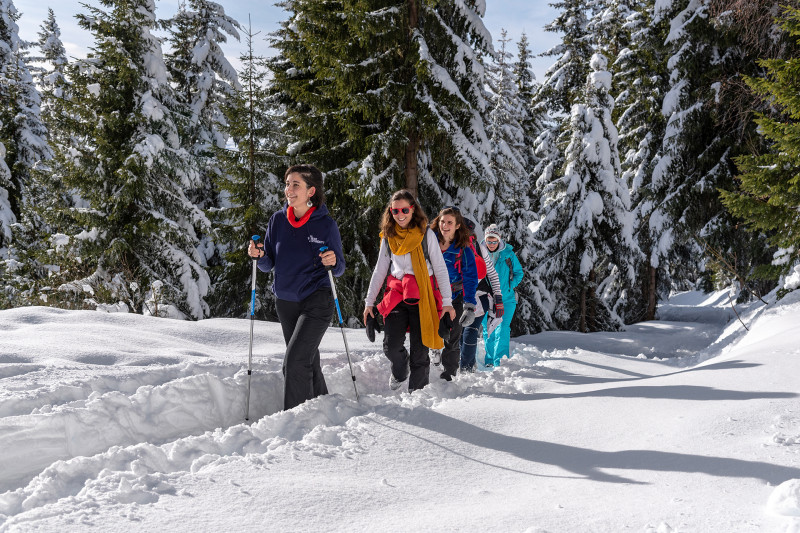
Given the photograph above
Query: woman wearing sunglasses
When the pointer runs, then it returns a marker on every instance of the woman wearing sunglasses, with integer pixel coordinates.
(509, 271)
(301, 285)
(453, 236)
(409, 261)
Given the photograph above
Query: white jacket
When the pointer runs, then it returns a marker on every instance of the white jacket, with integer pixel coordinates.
(400, 265)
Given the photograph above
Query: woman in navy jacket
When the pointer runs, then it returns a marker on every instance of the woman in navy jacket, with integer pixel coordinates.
(303, 297)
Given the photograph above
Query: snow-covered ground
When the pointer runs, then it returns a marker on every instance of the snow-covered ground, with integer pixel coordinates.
(119, 422)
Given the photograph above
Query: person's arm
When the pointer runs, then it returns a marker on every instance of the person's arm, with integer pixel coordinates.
(378, 274)
(491, 272)
(439, 269)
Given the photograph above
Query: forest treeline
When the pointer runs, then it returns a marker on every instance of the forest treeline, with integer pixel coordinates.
(660, 151)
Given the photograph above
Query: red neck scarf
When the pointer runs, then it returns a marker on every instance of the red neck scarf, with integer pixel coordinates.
(293, 219)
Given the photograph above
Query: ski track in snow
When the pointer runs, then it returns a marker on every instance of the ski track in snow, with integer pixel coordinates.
(128, 434)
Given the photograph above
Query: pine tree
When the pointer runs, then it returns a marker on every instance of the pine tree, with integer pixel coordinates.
(532, 119)
(508, 203)
(137, 247)
(701, 140)
(203, 80)
(383, 95)
(642, 82)
(588, 254)
(251, 189)
(769, 183)
(24, 137)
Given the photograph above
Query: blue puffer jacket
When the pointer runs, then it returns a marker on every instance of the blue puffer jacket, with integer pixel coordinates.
(294, 254)
(510, 276)
(466, 272)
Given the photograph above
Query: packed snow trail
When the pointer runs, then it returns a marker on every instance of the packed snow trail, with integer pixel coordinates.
(122, 440)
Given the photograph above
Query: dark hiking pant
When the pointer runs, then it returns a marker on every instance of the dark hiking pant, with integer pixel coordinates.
(303, 324)
(451, 354)
(469, 339)
(404, 318)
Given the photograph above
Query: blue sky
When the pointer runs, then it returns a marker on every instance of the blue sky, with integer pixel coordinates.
(515, 16)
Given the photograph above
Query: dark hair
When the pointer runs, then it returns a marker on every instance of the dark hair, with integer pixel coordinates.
(461, 237)
(313, 178)
(418, 218)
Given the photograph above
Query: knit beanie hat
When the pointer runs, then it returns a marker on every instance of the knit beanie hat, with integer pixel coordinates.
(492, 231)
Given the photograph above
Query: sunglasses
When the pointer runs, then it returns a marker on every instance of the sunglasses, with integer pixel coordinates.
(452, 208)
(404, 210)
(492, 242)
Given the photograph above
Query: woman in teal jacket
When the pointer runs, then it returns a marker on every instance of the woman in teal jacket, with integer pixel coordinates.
(509, 270)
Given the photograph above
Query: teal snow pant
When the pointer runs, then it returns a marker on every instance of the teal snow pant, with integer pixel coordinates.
(498, 343)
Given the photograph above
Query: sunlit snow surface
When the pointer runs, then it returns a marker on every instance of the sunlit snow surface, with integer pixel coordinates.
(118, 422)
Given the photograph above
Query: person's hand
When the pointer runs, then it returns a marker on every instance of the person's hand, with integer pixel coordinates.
(467, 315)
(498, 306)
(367, 312)
(450, 310)
(255, 250)
(328, 258)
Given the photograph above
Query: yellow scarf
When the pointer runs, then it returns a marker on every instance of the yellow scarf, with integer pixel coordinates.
(409, 240)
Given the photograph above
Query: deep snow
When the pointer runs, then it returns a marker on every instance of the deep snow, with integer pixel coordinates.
(119, 422)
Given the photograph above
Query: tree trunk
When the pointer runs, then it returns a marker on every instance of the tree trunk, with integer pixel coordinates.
(591, 321)
(650, 314)
(412, 172)
(412, 146)
(582, 322)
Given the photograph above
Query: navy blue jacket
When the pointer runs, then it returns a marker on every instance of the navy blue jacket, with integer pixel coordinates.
(294, 254)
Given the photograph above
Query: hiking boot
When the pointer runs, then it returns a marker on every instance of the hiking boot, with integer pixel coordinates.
(436, 357)
(488, 364)
(394, 384)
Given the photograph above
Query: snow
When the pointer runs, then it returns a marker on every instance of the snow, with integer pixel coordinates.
(687, 423)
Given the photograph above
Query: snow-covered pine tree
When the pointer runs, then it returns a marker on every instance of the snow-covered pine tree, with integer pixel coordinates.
(24, 137)
(589, 255)
(249, 187)
(564, 81)
(52, 78)
(769, 182)
(532, 118)
(563, 84)
(138, 247)
(382, 95)
(696, 159)
(508, 203)
(203, 80)
(641, 82)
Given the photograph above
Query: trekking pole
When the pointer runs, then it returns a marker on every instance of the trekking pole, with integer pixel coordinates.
(341, 323)
(252, 321)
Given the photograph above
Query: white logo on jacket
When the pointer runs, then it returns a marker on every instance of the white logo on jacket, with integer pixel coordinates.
(313, 239)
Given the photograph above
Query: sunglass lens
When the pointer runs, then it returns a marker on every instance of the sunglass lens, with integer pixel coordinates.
(405, 210)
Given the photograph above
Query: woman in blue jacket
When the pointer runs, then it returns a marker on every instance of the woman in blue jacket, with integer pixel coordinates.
(303, 297)
(453, 236)
(509, 270)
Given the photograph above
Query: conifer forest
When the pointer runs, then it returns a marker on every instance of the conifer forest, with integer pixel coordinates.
(659, 152)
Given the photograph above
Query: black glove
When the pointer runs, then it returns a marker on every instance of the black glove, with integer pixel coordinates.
(372, 326)
(445, 325)
(498, 306)
(467, 315)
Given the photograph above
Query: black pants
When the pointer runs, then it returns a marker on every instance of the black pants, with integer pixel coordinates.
(451, 355)
(404, 318)
(303, 324)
